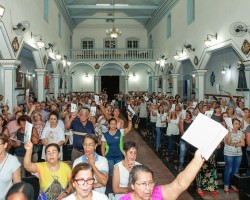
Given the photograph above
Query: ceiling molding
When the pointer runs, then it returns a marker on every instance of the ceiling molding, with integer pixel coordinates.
(108, 17)
(62, 7)
(166, 7)
(111, 7)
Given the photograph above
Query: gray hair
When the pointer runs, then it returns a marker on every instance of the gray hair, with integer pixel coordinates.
(85, 110)
(134, 173)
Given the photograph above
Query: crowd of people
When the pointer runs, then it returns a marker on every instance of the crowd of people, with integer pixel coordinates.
(96, 128)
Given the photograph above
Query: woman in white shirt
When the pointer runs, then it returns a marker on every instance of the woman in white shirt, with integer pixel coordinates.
(173, 132)
(120, 179)
(160, 125)
(82, 181)
(52, 133)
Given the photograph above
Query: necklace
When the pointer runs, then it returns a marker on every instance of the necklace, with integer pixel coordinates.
(4, 162)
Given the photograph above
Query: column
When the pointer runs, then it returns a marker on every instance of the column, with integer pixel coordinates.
(56, 77)
(67, 88)
(64, 78)
(9, 82)
(41, 72)
(201, 86)
(97, 79)
(126, 84)
(156, 80)
(164, 84)
(175, 84)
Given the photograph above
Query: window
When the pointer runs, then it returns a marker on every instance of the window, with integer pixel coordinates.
(59, 25)
(110, 43)
(132, 44)
(46, 10)
(190, 11)
(88, 44)
(169, 26)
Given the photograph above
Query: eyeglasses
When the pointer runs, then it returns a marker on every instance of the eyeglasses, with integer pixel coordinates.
(83, 181)
(145, 184)
(89, 145)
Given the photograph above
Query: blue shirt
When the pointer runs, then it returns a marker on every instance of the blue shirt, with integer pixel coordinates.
(79, 130)
(114, 145)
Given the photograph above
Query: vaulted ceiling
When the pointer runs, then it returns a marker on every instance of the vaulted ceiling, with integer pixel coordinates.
(139, 10)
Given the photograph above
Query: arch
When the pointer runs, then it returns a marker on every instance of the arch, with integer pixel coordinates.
(5, 47)
(206, 55)
(72, 66)
(112, 62)
(148, 64)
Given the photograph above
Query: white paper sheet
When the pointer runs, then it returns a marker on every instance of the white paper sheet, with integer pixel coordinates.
(27, 92)
(209, 113)
(239, 112)
(27, 132)
(228, 121)
(194, 104)
(146, 98)
(112, 102)
(92, 111)
(183, 114)
(205, 134)
(173, 107)
(73, 108)
(131, 112)
(96, 99)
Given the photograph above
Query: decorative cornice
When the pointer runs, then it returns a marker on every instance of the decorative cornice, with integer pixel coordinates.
(166, 6)
(62, 7)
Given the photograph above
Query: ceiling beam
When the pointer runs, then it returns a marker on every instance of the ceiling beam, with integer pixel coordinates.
(110, 17)
(129, 7)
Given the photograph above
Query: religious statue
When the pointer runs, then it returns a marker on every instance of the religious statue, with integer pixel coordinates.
(170, 82)
(47, 81)
(242, 83)
(19, 76)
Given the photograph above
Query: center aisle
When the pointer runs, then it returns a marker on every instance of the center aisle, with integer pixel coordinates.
(147, 157)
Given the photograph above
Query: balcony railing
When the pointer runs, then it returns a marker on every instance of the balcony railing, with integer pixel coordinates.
(111, 54)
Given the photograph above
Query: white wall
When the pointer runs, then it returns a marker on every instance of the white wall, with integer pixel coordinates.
(32, 11)
(210, 17)
(97, 29)
(139, 82)
(82, 83)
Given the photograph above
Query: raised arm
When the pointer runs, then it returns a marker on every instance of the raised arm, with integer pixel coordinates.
(68, 123)
(184, 179)
(28, 165)
(126, 130)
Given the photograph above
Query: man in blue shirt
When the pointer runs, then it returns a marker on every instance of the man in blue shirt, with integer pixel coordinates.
(80, 127)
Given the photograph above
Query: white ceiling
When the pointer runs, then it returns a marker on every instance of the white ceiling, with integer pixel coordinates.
(140, 10)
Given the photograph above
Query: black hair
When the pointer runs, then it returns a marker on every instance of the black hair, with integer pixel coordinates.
(112, 119)
(92, 137)
(128, 145)
(53, 145)
(25, 188)
(54, 113)
(24, 118)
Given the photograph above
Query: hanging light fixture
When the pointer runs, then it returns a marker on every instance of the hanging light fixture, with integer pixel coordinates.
(113, 32)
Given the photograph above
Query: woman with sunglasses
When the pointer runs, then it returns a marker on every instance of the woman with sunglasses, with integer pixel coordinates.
(82, 180)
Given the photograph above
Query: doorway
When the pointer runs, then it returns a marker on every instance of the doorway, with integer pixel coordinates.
(111, 85)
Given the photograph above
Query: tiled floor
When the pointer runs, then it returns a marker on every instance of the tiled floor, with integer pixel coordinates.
(163, 175)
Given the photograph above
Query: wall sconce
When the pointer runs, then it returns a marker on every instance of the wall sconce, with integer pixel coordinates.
(224, 68)
(189, 47)
(58, 56)
(193, 75)
(2, 9)
(178, 54)
(162, 61)
(50, 46)
(87, 75)
(210, 39)
(134, 74)
(39, 43)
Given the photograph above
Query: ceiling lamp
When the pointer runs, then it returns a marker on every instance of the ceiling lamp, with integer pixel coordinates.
(2, 9)
(39, 43)
(113, 32)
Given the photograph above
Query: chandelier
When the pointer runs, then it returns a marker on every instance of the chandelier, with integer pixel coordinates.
(113, 32)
